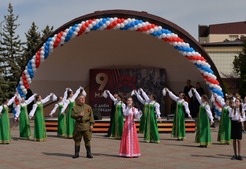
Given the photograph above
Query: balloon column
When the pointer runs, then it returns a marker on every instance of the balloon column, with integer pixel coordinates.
(120, 24)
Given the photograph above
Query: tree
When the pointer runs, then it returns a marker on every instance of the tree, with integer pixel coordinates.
(240, 68)
(33, 39)
(46, 32)
(11, 52)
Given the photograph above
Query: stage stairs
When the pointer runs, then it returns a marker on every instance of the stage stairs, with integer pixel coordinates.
(101, 126)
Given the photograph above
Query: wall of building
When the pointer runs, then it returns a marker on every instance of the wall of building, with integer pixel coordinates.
(221, 37)
(223, 58)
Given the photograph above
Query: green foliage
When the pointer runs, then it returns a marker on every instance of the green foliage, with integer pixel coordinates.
(46, 32)
(240, 68)
(11, 54)
(15, 54)
(33, 40)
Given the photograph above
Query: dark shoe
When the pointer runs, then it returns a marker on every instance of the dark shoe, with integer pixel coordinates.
(77, 149)
(88, 152)
(239, 157)
(234, 157)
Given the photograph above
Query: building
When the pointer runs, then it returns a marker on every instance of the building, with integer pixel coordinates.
(223, 42)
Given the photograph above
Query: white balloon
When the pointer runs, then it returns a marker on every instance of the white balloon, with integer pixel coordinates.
(117, 26)
(93, 23)
(107, 23)
(87, 30)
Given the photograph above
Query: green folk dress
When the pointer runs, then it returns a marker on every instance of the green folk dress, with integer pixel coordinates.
(24, 127)
(69, 120)
(61, 122)
(224, 133)
(5, 136)
(178, 129)
(39, 124)
(143, 119)
(151, 133)
(118, 122)
(203, 134)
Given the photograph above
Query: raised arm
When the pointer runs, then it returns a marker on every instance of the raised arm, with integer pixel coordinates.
(65, 96)
(111, 96)
(28, 101)
(174, 97)
(65, 106)
(46, 99)
(76, 94)
(145, 96)
(54, 109)
(140, 98)
(34, 107)
(198, 97)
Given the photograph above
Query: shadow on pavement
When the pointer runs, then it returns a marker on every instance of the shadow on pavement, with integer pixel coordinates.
(57, 154)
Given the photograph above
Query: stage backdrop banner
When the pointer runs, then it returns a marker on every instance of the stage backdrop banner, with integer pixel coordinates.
(123, 81)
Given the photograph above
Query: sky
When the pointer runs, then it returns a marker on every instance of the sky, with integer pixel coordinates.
(187, 14)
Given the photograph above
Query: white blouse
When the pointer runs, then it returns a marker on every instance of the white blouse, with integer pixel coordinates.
(157, 108)
(116, 102)
(72, 99)
(178, 100)
(11, 101)
(145, 96)
(129, 110)
(139, 97)
(43, 101)
(236, 116)
(25, 103)
(205, 105)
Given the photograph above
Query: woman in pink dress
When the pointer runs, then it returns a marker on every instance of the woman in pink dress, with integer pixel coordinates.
(129, 146)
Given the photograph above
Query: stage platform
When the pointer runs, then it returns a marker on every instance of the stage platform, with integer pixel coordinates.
(101, 126)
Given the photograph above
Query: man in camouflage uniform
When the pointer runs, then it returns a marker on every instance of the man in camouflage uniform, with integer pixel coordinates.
(84, 121)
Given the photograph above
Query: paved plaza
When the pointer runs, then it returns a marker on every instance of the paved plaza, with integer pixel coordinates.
(169, 154)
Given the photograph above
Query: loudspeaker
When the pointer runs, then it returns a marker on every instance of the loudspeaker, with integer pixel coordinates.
(97, 114)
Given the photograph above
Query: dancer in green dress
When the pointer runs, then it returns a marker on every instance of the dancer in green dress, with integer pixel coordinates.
(39, 120)
(224, 132)
(145, 110)
(61, 131)
(151, 133)
(67, 109)
(117, 123)
(5, 137)
(22, 116)
(178, 129)
(203, 134)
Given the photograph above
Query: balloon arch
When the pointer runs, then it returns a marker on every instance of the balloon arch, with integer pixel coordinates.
(124, 24)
